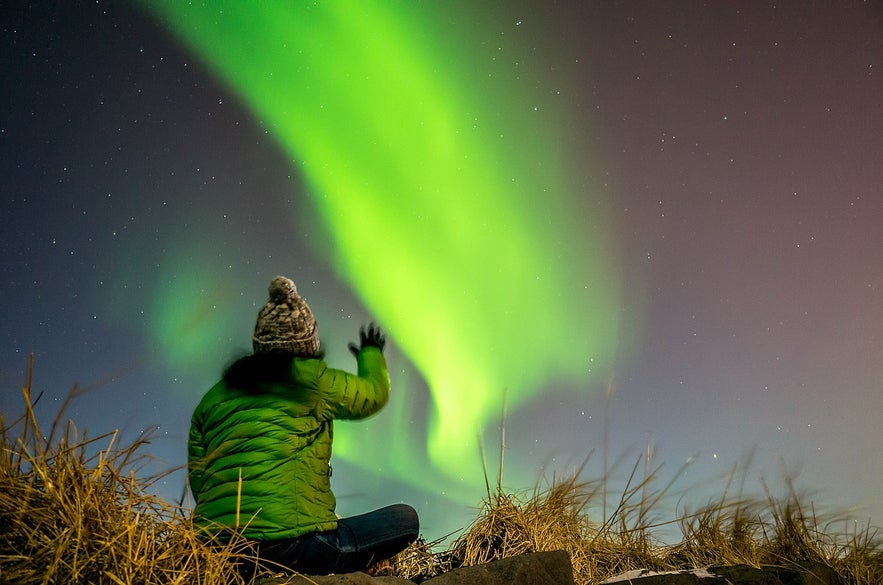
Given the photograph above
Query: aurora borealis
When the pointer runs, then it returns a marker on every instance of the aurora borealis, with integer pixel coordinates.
(676, 202)
(441, 218)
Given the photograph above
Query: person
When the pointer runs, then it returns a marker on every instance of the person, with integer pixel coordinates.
(260, 443)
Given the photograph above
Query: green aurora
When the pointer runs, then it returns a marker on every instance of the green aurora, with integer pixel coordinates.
(456, 211)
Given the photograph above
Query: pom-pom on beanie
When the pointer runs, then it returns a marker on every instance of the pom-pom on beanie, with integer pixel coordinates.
(286, 322)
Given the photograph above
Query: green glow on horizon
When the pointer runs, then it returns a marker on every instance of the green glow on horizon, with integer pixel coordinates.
(449, 200)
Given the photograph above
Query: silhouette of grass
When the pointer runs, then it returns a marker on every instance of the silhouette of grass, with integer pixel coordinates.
(73, 509)
(727, 531)
(740, 532)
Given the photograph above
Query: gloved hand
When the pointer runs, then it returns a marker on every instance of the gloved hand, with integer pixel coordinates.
(371, 336)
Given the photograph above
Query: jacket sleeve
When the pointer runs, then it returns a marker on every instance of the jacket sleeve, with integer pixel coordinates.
(195, 459)
(348, 396)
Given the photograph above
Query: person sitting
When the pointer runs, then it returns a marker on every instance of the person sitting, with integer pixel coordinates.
(260, 441)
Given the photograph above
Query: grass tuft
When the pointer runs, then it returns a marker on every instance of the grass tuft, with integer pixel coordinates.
(727, 531)
(73, 509)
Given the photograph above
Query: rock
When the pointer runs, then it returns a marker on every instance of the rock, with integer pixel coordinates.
(819, 574)
(554, 568)
(647, 577)
(541, 568)
(809, 574)
(345, 579)
(815, 574)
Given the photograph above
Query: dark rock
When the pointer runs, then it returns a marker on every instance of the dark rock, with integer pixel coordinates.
(815, 574)
(345, 579)
(819, 574)
(554, 568)
(809, 574)
(748, 575)
(542, 568)
(646, 577)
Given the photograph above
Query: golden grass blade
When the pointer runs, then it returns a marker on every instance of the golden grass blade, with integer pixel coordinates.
(74, 510)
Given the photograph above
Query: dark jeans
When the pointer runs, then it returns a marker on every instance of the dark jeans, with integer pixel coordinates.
(357, 543)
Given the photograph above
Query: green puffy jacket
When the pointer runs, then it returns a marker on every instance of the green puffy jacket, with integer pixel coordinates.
(259, 460)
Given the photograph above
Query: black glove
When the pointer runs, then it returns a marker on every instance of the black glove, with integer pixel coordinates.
(371, 336)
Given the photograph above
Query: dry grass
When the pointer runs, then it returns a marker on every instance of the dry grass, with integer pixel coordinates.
(775, 532)
(727, 531)
(73, 510)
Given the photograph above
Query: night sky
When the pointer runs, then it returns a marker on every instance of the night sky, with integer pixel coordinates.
(718, 191)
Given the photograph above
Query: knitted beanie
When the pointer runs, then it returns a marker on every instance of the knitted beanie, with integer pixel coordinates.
(286, 322)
